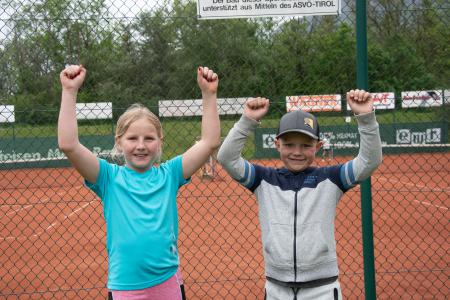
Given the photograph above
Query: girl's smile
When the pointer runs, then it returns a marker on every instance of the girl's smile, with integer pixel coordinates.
(140, 145)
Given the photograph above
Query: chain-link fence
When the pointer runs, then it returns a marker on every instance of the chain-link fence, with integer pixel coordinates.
(52, 232)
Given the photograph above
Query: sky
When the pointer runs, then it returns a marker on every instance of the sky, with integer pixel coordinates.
(5, 13)
(118, 8)
(130, 8)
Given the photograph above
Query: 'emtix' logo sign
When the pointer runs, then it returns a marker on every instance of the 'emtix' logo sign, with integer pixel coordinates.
(429, 136)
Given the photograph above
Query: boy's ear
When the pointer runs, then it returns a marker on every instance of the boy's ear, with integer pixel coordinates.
(277, 144)
(319, 145)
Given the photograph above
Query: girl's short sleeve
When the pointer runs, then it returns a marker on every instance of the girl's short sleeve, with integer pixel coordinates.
(99, 186)
(176, 165)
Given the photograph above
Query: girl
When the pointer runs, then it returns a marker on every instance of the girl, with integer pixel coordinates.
(139, 198)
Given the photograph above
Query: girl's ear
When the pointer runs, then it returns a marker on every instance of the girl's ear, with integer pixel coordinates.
(117, 144)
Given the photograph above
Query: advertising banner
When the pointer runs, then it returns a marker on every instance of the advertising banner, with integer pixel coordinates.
(415, 99)
(382, 100)
(314, 103)
(344, 139)
(43, 152)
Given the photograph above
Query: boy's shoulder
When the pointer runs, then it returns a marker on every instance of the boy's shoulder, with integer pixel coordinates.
(283, 171)
(287, 180)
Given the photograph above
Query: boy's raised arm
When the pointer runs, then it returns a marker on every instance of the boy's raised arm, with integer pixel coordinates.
(199, 153)
(370, 152)
(84, 161)
(229, 155)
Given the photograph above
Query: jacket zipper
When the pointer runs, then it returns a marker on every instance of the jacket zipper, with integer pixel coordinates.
(295, 237)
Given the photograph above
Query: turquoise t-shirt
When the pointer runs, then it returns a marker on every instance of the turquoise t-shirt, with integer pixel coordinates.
(141, 222)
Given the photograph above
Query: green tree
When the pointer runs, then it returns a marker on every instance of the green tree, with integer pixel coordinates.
(407, 46)
(231, 47)
(45, 37)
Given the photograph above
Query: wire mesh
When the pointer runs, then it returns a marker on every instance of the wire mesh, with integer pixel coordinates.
(52, 232)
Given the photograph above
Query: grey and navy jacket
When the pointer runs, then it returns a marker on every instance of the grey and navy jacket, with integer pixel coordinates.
(297, 211)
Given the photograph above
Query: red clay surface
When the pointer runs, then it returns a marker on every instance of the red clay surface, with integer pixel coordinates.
(52, 235)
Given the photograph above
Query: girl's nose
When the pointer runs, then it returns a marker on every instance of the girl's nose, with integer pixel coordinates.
(140, 144)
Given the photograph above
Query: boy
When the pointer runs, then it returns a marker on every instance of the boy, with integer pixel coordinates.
(327, 150)
(297, 203)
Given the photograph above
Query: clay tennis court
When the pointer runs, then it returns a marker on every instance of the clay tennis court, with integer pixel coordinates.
(52, 234)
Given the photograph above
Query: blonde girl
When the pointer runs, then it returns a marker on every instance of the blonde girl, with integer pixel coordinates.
(139, 198)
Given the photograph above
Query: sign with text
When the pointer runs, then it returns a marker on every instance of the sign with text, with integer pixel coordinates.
(193, 107)
(344, 139)
(419, 136)
(43, 152)
(382, 101)
(7, 114)
(314, 103)
(223, 9)
(421, 99)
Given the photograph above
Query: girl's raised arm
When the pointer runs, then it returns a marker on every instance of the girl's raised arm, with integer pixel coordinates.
(199, 153)
(83, 160)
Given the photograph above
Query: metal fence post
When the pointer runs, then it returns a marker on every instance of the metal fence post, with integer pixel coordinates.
(366, 193)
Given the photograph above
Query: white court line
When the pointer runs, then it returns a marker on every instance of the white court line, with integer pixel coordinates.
(53, 225)
(431, 204)
(419, 186)
(67, 216)
(37, 234)
(22, 208)
(31, 205)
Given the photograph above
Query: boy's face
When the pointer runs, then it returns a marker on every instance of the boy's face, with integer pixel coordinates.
(297, 150)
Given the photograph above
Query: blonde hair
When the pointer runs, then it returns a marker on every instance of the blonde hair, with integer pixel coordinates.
(133, 113)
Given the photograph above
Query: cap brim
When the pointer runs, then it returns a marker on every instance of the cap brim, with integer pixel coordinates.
(299, 131)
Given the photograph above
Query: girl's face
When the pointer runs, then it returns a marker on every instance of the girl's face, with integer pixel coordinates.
(297, 151)
(140, 145)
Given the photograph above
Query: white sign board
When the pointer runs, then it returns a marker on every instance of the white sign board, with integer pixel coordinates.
(421, 99)
(7, 114)
(96, 110)
(446, 96)
(381, 101)
(222, 9)
(193, 107)
(314, 103)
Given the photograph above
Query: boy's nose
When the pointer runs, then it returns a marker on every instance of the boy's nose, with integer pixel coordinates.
(298, 150)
